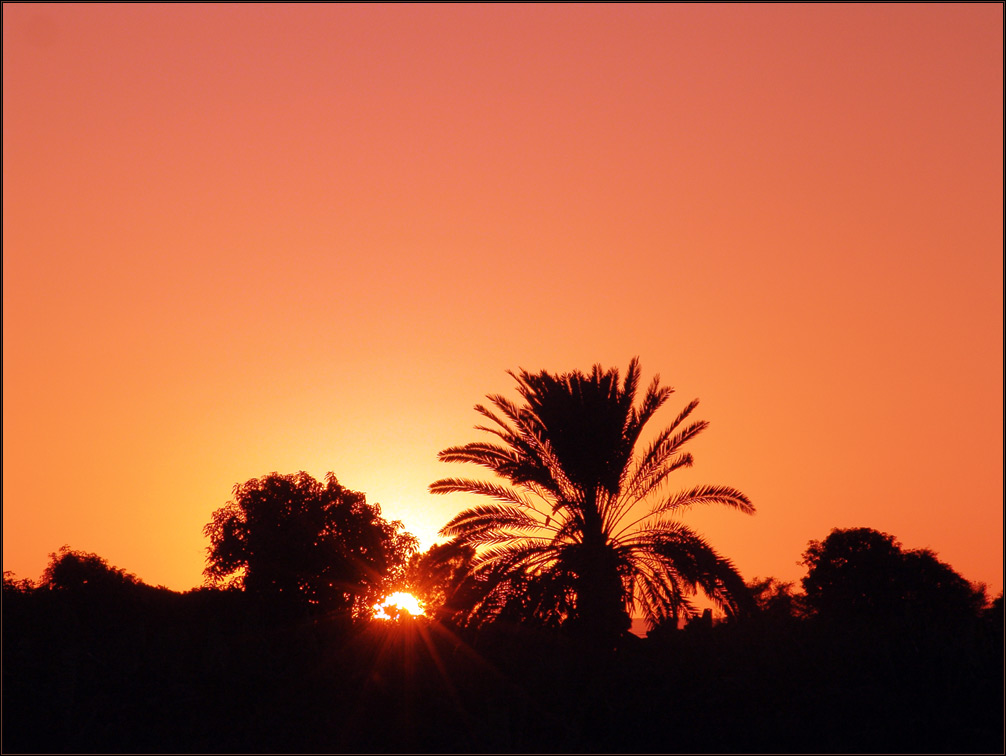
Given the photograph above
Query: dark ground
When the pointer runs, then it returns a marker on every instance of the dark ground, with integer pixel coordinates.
(148, 670)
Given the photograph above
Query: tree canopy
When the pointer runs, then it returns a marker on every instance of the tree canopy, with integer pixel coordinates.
(69, 569)
(864, 573)
(295, 540)
(436, 577)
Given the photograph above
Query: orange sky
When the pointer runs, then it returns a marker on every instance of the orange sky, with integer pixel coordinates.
(239, 239)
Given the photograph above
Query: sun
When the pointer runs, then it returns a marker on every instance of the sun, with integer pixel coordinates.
(400, 603)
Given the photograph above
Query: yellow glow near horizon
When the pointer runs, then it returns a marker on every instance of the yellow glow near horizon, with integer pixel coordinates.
(403, 602)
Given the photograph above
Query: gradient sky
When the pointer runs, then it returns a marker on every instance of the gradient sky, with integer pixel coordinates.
(244, 239)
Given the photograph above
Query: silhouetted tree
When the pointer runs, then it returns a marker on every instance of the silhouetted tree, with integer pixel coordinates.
(74, 570)
(585, 533)
(994, 610)
(992, 619)
(15, 585)
(295, 540)
(436, 575)
(775, 599)
(863, 573)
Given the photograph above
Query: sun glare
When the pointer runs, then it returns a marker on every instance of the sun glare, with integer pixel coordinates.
(399, 603)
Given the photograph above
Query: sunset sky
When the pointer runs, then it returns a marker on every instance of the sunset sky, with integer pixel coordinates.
(245, 239)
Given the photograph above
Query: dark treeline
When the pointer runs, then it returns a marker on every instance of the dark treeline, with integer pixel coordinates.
(96, 661)
(526, 646)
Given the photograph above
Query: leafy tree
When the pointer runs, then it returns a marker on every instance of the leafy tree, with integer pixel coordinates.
(13, 585)
(75, 570)
(586, 533)
(863, 573)
(436, 575)
(775, 599)
(297, 541)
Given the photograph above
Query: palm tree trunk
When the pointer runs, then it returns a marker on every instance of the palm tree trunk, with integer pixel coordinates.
(601, 616)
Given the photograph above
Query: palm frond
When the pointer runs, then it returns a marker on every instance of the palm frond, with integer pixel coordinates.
(659, 449)
(725, 495)
(491, 456)
(571, 529)
(517, 464)
(508, 408)
(488, 519)
(489, 414)
(658, 595)
(483, 488)
(667, 446)
(653, 399)
(696, 564)
(625, 503)
(525, 552)
(532, 454)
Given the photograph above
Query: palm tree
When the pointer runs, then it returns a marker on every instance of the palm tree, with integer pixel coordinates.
(585, 533)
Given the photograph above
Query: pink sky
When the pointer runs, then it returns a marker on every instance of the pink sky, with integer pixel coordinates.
(244, 239)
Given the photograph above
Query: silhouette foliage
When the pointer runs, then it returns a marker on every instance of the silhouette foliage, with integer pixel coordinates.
(436, 577)
(138, 669)
(297, 541)
(861, 573)
(586, 531)
(79, 570)
(776, 600)
(13, 585)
